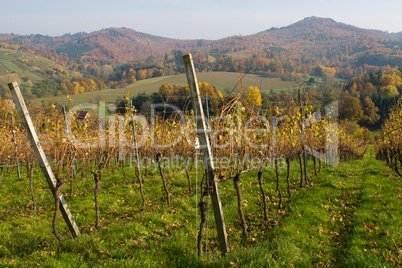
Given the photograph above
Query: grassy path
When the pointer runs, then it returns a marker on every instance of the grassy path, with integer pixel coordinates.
(351, 216)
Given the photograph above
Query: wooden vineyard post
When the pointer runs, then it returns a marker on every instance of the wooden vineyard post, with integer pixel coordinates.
(17, 162)
(207, 153)
(137, 162)
(302, 136)
(40, 155)
(66, 129)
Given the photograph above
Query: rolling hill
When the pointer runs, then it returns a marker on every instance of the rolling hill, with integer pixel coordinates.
(312, 41)
(27, 68)
(112, 45)
(290, 52)
(25, 64)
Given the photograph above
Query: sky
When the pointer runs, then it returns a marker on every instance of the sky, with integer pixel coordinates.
(188, 19)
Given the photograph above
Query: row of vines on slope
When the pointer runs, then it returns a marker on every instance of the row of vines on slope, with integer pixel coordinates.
(389, 142)
(242, 141)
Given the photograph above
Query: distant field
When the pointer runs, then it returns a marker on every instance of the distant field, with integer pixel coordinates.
(223, 81)
(34, 68)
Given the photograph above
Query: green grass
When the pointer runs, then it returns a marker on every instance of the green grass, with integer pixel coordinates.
(349, 216)
(375, 131)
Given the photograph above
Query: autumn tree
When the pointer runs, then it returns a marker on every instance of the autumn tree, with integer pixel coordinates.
(212, 94)
(141, 74)
(387, 80)
(328, 74)
(106, 72)
(132, 79)
(253, 97)
(66, 86)
(353, 90)
(88, 84)
(390, 82)
(350, 108)
(389, 91)
(370, 111)
(149, 74)
(100, 84)
(78, 88)
(369, 89)
(165, 91)
(113, 84)
(396, 75)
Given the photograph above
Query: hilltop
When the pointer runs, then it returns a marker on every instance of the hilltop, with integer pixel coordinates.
(312, 41)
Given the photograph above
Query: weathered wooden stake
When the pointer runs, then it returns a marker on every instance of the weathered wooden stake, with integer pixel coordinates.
(137, 162)
(207, 153)
(302, 134)
(17, 162)
(40, 155)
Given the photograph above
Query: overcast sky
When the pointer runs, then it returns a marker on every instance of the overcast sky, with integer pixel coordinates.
(202, 19)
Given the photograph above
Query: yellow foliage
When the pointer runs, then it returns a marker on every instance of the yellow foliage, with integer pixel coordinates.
(166, 89)
(389, 91)
(396, 75)
(78, 88)
(387, 80)
(327, 72)
(211, 59)
(206, 89)
(253, 96)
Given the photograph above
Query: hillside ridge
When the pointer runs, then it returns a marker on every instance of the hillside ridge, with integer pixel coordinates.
(312, 41)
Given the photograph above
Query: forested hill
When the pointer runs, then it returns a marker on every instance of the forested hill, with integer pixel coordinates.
(107, 46)
(317, 41)
(312, 41)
